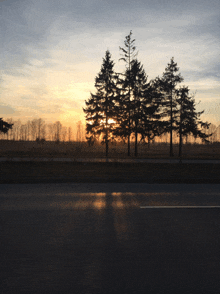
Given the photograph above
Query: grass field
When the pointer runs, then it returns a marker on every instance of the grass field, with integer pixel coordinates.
(82, 150)
(40, 172)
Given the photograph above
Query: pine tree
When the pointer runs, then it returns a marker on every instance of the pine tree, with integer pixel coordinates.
(129, 58)
(189, 120)
(138, 83)
(151, 122)
(100, 108)
(169, 81)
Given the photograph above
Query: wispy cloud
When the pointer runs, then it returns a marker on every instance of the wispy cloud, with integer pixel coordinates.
(51, 51)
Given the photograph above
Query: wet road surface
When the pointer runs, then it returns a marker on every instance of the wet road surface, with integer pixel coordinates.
(120, 160)
(102, 238)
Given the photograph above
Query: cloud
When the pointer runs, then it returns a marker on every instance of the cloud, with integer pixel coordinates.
(5, 110)
(51, 51)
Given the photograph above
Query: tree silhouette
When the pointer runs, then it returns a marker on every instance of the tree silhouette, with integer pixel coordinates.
(189, 120)
(4, 126)
(58, 128)
(151, 121)
(169, 81)
(129, 56)
(100, 108)
(138, 86)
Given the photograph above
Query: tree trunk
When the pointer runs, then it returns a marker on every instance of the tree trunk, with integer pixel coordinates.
(148, 142)
(129, 145)
(106, 144)
(171, 126)
(129, 117)
(136, 135)
(106, 134)
(129, 114)
(180, 144)
(180, 130)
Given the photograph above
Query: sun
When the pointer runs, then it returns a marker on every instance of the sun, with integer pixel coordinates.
(111, 121)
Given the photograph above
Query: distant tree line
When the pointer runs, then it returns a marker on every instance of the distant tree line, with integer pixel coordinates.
(38, 130)
(127, 104)
(27, 132)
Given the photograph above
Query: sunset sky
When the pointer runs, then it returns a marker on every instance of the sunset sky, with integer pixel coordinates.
(51, 51)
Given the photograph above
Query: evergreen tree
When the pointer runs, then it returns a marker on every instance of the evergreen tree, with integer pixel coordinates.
(4, 126)
(151, 121)
(189, 120)
(100, 108)
(144, 106)
(169, 81)
(120, 111)
(138, 83)
(129, 58)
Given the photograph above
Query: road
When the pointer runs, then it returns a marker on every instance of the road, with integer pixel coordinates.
(104, 238)
(127, 160)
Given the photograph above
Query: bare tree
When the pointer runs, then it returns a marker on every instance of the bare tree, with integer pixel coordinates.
(34, 129)
(10, 130)
(79, 132)
(70, 134)
(51, 132)
(23, 132)
(17, 130)
(40, 126)
(64, 133)
(58, 128)
(28, 130)
(211, 132)
(44, 132)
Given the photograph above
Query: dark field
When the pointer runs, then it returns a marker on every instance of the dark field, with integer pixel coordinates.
(40, 172)
(82, 150)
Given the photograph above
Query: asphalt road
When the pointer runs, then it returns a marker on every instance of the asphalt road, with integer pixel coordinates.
(109, 238)
(120, 160)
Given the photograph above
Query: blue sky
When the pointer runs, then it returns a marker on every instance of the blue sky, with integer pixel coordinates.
(51, 51)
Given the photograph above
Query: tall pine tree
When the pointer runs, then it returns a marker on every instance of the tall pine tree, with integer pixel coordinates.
(129, 55)
(151, 122)
(189, 120)
(100, 108)
(138, 83)
(169, 81)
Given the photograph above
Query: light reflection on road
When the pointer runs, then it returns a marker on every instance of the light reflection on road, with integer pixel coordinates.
(100, 200)
(63, 240)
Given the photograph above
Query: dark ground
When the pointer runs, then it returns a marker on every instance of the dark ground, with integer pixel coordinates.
(61, 172)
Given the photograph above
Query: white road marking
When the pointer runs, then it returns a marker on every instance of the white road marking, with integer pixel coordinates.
(175, 206)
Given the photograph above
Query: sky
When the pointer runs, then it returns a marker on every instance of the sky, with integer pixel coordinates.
(51, 51)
